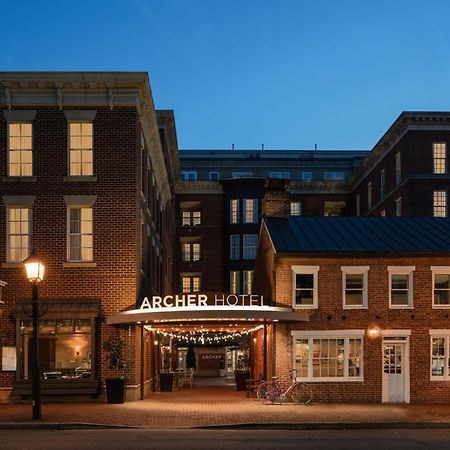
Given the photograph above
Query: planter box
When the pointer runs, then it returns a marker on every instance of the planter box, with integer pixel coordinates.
(115, 390)
(165, 382)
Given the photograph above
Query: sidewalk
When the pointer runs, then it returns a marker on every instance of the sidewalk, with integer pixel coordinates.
(222, 406)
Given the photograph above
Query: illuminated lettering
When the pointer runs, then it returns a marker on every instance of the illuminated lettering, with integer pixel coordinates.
(202, 300)
(156, 301)
(220, 300)
(145, 304)
(235, 298)
(166, 301)
(191, 299)
(180, 301)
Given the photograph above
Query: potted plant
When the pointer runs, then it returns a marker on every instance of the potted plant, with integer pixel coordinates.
(114, 347)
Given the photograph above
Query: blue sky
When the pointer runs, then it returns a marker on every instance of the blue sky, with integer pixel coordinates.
(285, 73)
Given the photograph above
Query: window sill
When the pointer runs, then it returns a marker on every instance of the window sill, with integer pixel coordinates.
(355, 307)
(297, 307)
(11, 265)
(400, 307)
(79, 264)
(331, 380)
(80, 178)
(31, 179)
(441, 306)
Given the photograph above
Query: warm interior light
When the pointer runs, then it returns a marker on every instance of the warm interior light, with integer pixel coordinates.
(34, 268)
(373, 331)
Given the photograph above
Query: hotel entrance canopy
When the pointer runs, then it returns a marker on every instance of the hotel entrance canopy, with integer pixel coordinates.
(206, 307)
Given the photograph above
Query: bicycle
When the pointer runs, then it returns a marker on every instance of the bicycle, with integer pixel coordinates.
(296, 392)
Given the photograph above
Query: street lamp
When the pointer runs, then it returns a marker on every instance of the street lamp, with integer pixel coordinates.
(35, 274)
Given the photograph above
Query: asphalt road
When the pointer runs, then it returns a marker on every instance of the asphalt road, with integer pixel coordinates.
(131, 439)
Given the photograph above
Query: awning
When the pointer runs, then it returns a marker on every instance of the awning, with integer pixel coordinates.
(60, 309)
(209, 313)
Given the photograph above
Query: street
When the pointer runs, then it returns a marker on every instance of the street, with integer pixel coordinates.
(131, 439)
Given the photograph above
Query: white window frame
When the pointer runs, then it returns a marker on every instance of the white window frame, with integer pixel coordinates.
(398, 168)
(188, 175)
(330, 334)
(306, 270)
(69, 234)
(234, 212)
(250, 210)
(245, 245)
(402, 270)
(216, 178)
(440, 203)
(30, 231)
(440, 334)
(438, 270)
(233, 247)
(296, 208)
(334, 176)
(69, 146)
(307, 176)
(439, 159)
(20, 122)
(355, 270)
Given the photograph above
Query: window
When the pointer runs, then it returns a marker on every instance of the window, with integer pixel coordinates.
(235, 246)
(334, 176)
(398, 168)
(439, 157)
(440, 203)
(382, 184)
(65, 349)
(234, 210)
(190, 283)
(188, 175)
(358, 204)
(250, 245)
(296, 208)
(248, 281)
(235, 287)
(19, 233)
(250, 210)
(214, 176)
(80, 234)
(329, 356)
(20, 149)
(191, 218)
(305, 284)
(441, 286)
(80, 149)
(354, 286)
(190, 251)
(280, 175)
(401, 287)
(307, 176)
(398, 207)
(369, 195)
(241, 174)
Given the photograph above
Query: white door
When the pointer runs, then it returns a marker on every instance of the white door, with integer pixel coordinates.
(394, 372)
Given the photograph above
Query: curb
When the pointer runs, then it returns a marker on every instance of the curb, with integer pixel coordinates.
(59, 426)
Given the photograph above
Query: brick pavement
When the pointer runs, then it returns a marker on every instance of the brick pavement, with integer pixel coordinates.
(218, 406)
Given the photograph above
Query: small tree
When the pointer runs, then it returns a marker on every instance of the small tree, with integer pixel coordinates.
(114, 347)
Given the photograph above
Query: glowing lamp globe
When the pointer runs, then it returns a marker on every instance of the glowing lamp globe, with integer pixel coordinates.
(34, 268)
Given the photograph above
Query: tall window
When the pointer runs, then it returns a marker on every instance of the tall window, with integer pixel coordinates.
(358, 204)
(214, 176)
(191, 218)
(398, 168)
(80, 234)
(81, 149)
(250, 245)
(235, 246)
(234, 210)
(307, 176)
(382, 184)
(401, 287)
(439, 157)
(329, 357)
(247, 281)
(441, 286)
(250, 210)
(440, 203)
(398, 207)
(305, 286)
(235, 287)
(191, 283)
(296, 208)
(19, 233)
(369, 195)
(190, 251)
(354, 286)
(20, 151)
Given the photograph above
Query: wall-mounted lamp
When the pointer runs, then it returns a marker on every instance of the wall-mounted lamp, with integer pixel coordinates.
(373, 331)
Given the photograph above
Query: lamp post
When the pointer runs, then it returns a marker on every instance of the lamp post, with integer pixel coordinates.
(35, 274)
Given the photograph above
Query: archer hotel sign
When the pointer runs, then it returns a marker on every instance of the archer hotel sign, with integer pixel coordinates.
(201, 300)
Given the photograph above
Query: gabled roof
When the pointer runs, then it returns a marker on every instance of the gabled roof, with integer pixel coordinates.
(360, 234)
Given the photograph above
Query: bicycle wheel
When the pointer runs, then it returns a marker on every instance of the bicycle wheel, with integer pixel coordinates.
(263, 390)
(301, 393)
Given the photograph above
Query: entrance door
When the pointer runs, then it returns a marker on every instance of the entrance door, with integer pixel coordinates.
(395, 372)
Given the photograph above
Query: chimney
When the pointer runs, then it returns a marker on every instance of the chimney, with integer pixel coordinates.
(276, 201)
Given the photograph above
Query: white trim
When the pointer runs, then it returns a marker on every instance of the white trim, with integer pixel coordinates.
(402, 270)
(307, 270)
(355, 270)
(438, 270)
(395, 333)
(439, 332)
(441, 270)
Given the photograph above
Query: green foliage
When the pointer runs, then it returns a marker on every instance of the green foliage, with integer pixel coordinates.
(114, 347)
